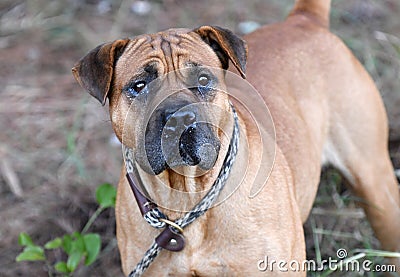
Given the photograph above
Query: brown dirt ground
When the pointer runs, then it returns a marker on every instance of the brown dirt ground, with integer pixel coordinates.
(56, 141)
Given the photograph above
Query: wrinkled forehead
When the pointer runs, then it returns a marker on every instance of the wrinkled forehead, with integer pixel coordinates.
(165, 52)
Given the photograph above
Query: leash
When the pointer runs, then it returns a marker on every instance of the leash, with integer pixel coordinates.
(171, 238)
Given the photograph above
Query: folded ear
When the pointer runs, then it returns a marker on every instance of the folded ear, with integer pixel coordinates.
(226, 45)
(94, 72)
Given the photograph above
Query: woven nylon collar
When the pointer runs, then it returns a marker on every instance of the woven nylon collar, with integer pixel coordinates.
(171, 238)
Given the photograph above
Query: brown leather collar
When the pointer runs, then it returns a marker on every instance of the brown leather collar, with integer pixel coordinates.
(169, 238)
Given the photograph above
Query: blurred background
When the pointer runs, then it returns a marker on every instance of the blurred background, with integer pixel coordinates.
(56, 142)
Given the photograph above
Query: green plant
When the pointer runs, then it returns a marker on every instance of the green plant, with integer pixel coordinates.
(77, 246)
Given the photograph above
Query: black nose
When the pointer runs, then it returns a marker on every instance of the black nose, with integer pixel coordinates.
(180, 137)
(180, 119)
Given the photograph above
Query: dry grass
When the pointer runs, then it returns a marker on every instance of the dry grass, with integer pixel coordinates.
(55, 144)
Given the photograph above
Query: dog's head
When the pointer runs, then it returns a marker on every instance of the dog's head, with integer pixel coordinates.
(155, 83)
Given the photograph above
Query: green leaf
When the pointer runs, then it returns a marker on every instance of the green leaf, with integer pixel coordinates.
(74, 246)
(25, 240)
(61, 267)
(67, 244)
(78, 245)
(105, 195)
(53, 244)
(31, 253)
(92, 245)
(73, 260)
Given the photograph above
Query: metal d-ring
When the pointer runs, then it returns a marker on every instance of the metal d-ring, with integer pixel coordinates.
(172, 224)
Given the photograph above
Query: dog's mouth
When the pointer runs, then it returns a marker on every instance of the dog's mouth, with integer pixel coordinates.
(178, 137)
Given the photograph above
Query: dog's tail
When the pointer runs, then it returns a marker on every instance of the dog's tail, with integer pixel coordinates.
(318, 9)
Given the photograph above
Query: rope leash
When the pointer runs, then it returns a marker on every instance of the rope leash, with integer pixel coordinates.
(157, 219)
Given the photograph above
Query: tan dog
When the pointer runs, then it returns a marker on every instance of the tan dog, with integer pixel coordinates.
(325, 107)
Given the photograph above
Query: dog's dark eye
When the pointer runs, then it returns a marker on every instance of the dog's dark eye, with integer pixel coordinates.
(203, 80)
(137, 88)
(205, 84)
